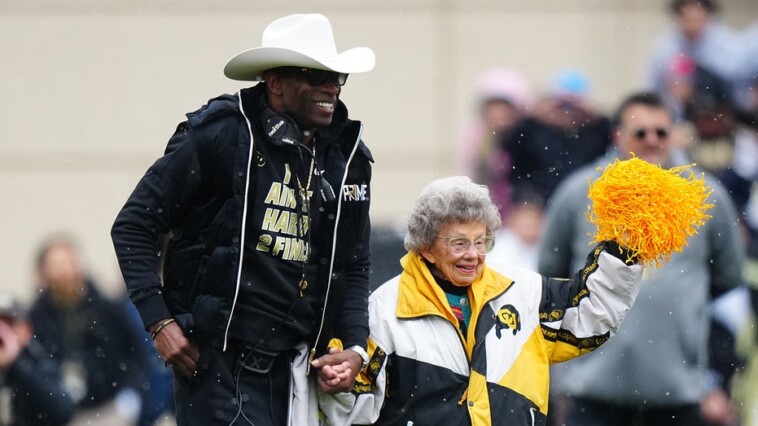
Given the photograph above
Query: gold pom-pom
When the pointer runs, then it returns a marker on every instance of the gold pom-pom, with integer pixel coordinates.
(648, 210)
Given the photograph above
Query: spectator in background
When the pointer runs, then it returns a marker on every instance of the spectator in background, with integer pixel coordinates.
(716, 128)
(503, 96)
(697, 35)
(31, 392)
(706, 71)
(89, 337)
(563, 133)
(745, 162)
(712, 114)
(679, 85)
(724, 139)
(747, 86)
(654, 372)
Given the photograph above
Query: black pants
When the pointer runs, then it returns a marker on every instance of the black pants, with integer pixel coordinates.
(586, 412)
(214, 396)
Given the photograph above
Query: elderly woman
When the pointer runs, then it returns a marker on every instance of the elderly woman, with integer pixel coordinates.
(458, 341)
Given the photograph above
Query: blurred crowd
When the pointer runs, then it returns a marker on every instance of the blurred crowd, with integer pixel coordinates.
(537, 153)
(76, 356)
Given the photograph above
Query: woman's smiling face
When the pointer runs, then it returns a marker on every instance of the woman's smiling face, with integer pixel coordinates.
(460, 269)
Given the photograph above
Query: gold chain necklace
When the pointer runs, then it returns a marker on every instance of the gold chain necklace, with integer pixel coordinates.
(304, 191)
(306, 199)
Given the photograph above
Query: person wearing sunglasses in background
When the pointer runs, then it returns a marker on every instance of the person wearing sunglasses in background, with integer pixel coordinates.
(459, 340)
(258, 214)
(656, 370)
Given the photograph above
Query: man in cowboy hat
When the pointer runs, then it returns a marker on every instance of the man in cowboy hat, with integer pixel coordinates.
(258, 216)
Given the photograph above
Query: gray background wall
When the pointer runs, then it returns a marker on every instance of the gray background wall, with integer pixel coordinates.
(91, 90)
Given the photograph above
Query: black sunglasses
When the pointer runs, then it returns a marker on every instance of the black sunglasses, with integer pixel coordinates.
(317, 78)
(660, 132)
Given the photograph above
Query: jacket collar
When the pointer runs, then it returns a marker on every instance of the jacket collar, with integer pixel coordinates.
(419, 295)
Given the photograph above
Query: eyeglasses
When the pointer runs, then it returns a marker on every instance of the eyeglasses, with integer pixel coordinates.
(660, 132)
(317, 78)
(460, 245)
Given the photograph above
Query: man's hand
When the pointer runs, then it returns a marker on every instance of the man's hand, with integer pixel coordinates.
(178, 352)
(337, 370)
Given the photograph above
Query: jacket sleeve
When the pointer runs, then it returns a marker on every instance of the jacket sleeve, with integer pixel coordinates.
(353, 323)
(353, 326)
(157, 204)
(577, 315)
(363, 404)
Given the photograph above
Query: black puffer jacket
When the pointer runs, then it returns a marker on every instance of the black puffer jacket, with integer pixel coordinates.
(195, 196)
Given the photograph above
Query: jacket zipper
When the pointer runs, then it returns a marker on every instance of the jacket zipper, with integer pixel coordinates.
(244, 221)
(334, 248)
(478, 344)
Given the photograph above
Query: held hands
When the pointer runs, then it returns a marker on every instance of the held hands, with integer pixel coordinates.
(337, 370)
(178, 352)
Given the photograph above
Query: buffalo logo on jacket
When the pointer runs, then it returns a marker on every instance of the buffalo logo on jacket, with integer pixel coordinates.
(508, 318)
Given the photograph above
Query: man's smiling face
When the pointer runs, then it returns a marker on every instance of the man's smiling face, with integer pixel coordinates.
(311, 106)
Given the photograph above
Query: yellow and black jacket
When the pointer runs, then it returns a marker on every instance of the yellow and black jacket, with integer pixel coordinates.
(423, 371)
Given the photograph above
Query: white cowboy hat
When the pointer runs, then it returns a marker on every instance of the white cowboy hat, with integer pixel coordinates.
(303, 40)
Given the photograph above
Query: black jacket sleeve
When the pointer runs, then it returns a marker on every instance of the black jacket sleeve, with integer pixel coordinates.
(353, 322)
(157, 204)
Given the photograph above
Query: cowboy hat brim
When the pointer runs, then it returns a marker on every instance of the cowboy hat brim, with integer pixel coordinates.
(250, 64)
